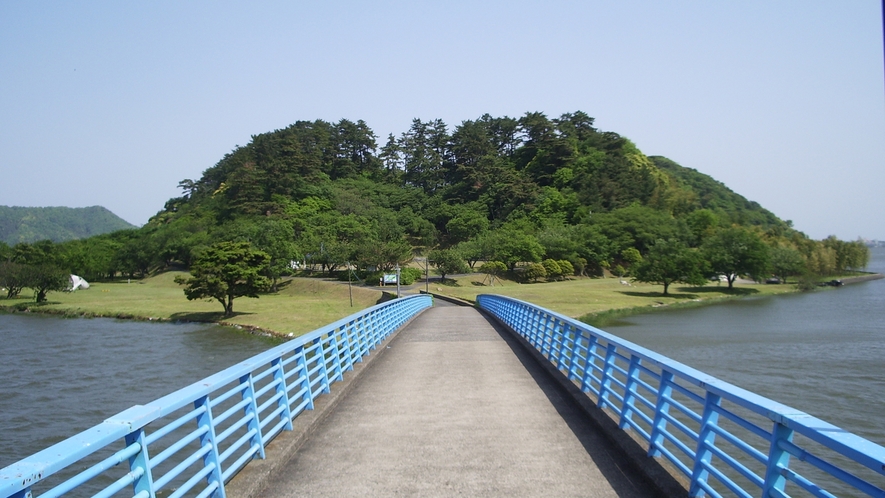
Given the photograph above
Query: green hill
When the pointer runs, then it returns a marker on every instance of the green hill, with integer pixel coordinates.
(58, 224)
(532, 192)
(578, 193)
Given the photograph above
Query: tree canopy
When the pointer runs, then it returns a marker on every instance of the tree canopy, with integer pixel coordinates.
(226, 271)
(520, 190)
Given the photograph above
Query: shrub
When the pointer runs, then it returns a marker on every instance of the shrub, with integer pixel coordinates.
(552, 268)
(567, 269)
(534, 272)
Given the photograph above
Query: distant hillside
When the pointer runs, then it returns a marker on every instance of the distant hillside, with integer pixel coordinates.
(708, 193)
(30, 224)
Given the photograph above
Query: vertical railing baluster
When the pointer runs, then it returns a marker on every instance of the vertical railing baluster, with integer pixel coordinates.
(347, 331)
(587, 377)
(303, 369)
(662, 408)
(706, 440)
(541, 325)
(336, 356)
(320, 354)
(777, 459)
(559, 339)
(606, 379)
(283, 391)
(141, 460)
(376, 318)
(570, 342)
(210, 459)
(252, 409)
(629, 404)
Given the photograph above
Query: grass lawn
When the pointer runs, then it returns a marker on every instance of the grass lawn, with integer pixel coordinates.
(300, 306)
(305, 304)
(602, 297)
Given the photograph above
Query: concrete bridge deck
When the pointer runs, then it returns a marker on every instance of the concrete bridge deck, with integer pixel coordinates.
(455, 406)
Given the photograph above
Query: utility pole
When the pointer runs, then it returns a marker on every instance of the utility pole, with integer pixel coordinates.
(349, 284)
(397, 280)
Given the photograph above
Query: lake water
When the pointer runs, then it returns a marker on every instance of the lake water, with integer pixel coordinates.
(821, 352)
(62, 376)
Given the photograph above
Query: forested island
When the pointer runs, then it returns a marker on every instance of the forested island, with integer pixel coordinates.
(531, 198)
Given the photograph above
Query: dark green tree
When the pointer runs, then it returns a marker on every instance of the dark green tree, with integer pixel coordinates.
(44, 278)
(13, 278)
(670, 261)
(226, 271)
(736, 251)
(493, 269)
(514, 246)
(786, 262)
(273, 236)
(447, 262)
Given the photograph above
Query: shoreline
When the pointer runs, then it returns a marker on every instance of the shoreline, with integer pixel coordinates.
(602, 318)
(63, 313)
(598, 319)
(862, 278)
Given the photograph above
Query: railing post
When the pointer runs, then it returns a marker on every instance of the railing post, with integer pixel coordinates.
(140, 464)
(606, 380)
(587, 377)
(347, 331)
(280, 376)
(320, 354)
(778, 459)
(252, 409)
(570, 343)
(706, 440)
(362, 336)
(336, 357)
(662, 407)
(629, 404)
(210, 459)
(303, 373)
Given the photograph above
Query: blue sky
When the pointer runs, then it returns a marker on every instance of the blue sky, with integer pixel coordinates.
(113, 103)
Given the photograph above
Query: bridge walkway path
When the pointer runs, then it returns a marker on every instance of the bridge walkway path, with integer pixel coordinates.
(456, 406)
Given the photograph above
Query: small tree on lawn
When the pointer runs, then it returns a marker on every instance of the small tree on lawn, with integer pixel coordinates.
(46, 278)
(786, 262)
(670, 261)
(447, 262)
(493, 269)
(225, 271)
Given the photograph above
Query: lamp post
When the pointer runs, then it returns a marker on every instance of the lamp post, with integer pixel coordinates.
(426, 263)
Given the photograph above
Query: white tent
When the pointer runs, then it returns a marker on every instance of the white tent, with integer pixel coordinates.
(78, 283)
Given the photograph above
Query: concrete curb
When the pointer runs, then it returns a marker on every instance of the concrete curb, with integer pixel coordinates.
(660, 475)
(250, 481)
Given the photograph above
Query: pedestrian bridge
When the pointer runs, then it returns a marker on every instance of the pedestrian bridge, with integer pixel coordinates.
(409, 399)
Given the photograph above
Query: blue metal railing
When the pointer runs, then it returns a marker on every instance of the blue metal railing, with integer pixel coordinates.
(192, 442)
(721, 438)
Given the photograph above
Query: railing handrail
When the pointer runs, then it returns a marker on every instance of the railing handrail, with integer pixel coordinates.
(18, 478)
(852, 446)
